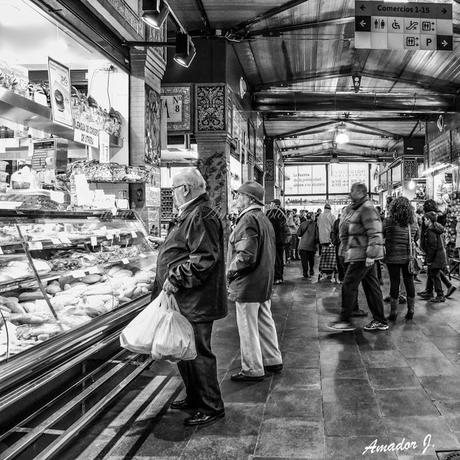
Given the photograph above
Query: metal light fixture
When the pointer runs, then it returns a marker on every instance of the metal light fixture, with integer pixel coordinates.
(185, 50)
(154, 13)
(341, 137)
(356, 82)
(334, 159)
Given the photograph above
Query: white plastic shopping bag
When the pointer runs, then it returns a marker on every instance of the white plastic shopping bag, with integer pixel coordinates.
(174, 339)
(137, 336)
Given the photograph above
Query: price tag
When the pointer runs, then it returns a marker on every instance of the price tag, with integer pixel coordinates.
(1, 250)
(64, 239)
(78, 273)
(109, 236)
(125, 261)
(134, 234)
(55, 241)
(93, 270)
(35, 245)
(93, 241)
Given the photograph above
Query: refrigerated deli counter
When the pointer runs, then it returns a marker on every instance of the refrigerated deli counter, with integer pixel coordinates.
(67, 280)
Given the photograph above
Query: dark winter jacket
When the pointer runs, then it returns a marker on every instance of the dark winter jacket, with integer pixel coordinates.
(251, 257)
(277, 218)
(364, 238)
(433, 244)
(192, 257)
(308, 233)
(335, 235)
(397, 241)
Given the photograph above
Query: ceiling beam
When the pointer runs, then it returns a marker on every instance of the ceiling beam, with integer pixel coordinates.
(304, 130)
(373, 129)
(432, 84)
(204, 15)
(267, 14)
(277, 31)
(280, 117)
(328, 102)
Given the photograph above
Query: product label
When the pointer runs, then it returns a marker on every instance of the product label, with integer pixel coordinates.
(93, 241)
(35, 245)
(1, 250)
(93, 270)
(125, 261)
(134, 234)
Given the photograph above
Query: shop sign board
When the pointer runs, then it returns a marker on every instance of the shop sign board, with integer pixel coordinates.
(86, 134)
(439, 149)
(400, 25)
(177, 105)
(60, 93)
(342, 176)
(305, 180)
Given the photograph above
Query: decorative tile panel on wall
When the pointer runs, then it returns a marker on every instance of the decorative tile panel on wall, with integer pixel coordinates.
(211, 101)
(269, 170)
(126, 13)
(410, 169)
(214, 170)
(152, 127)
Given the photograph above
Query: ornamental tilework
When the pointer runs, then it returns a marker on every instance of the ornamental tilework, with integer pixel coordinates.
(210, 108)
(152, 127)
(410, 169)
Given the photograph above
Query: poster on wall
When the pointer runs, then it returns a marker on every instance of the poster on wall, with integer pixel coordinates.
(152, 127)
(305, 180)
(60, 93)
(177, 105)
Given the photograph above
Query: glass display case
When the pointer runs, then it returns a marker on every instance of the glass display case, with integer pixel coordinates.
(58, 271)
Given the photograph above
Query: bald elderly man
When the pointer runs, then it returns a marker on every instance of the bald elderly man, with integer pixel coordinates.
(191, 265)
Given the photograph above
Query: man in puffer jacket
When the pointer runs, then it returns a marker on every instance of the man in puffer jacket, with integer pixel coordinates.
(364, 245)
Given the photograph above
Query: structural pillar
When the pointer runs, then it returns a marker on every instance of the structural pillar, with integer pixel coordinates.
(147, 70)
(212, 132)
(269, 169)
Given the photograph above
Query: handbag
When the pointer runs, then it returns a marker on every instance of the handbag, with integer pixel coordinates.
(413, 267)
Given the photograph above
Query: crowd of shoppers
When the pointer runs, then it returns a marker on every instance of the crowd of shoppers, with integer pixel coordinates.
(191, 265)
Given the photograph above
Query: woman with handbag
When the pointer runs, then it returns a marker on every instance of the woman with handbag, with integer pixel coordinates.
(400, 231)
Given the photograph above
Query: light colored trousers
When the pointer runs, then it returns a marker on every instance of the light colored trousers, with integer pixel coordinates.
(258, 339)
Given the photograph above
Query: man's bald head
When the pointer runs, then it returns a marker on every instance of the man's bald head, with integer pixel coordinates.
(187, 185)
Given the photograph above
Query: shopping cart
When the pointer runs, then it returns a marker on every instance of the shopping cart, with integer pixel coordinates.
(328, 262)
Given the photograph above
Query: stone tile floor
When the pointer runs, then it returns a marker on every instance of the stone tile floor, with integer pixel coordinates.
(338, 392)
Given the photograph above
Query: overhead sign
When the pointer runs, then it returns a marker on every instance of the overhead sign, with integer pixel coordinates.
(409, 26)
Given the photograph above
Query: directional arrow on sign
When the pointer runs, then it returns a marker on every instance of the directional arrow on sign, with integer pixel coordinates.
(362, 7)
(363, 23)
(444, 43)
(443, 11)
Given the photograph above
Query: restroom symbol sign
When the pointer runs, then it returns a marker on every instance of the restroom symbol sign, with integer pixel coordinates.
(428, 26)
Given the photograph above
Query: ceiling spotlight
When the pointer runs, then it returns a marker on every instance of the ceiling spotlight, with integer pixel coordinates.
(334, 159)
(342, 138)
(185, 49)
(154, 13)
(356, 82)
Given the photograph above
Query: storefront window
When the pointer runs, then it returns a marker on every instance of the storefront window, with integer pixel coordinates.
(63, 111)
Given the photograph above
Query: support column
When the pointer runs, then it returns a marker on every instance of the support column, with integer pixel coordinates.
(147, 70)
(212, 132)
(269, 169)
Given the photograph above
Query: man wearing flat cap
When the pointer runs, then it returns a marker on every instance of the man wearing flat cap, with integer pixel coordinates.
(250, 272)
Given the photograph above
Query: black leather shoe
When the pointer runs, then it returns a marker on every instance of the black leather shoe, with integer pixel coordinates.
(240, 377)
(182, 404)
(198, 418)
(275, 369)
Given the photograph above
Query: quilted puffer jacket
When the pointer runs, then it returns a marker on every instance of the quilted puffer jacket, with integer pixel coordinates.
(364, 238)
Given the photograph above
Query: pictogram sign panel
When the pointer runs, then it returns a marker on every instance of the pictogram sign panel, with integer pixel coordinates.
(410, 26)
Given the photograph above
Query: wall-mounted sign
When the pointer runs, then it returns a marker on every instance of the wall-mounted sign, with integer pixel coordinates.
(86, 134)
(439, 149)
(305, 180)
(177, 106)
(409, 26)
(59, 81)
